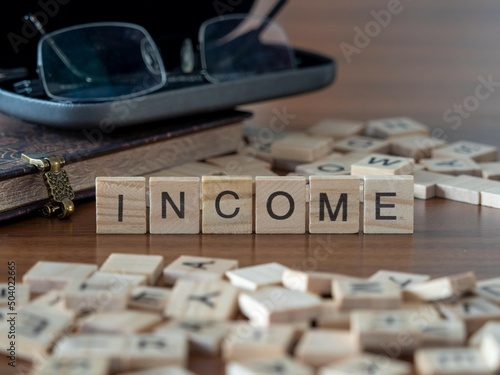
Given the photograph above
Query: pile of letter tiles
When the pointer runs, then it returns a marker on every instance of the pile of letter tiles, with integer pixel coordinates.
(139, 315)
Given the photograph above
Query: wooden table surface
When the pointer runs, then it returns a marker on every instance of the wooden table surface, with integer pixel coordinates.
(431, 56)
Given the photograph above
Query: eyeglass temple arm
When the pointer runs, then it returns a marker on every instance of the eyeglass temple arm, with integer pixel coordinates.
(12, 74)
(276, 9)
(272, 13)
(66, 61)
(264, 24)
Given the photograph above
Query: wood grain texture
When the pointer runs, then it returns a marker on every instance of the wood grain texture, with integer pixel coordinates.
(388, 204)
(174, 205)
(227, 204)
(280, 205)
(408, 69)
(334, 204)
(121, 205)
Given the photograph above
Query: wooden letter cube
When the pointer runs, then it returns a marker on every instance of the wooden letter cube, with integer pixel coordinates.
(227, 204)
(45, 276)
(174, 205)
(271, 366)
(364, 144)
(280, 204)
(197, 268)
(121, 205)
(149, 266)
(334, 204)
(278, 304)
(210, 300)
(378, 164)
(368, 364)
(360, 294)
(388, 204)
(395, 127)
(301, 147)
(245, 341)
(320, 347)
(476, 151)
(450, 361)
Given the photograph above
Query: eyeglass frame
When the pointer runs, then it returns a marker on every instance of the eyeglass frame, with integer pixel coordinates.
(27, 85)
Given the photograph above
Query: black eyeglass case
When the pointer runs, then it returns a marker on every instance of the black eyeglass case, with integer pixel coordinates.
(169, 29)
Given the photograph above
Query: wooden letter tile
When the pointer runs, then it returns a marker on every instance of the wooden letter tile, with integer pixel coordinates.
(475, 311)
(234, 164)
(149, 266)
(425, 183)
(50, 300)
(260, 140)
(147, 351)
(208, 300)
(489, 289)
(334, 204)
(74, 366)
(271, 366)
(174, 206)
(388, 331)
(476, 339)
(121, 205)
(45, 276)
(450, 361)
(36, 330)
(378, 164)
(330, 316)
(491, 170)
(119, 322)
(17, 295)
(280, 205)
(400, 332)
(476, 151)
(490, 197)
(197, 268)
(205, 336)
(319, 283)
(452, 166)
(359, 294)
(464, 188)
(360, 143)
(247, 342)
(444, 288)
(336, 128)
(110, 348)
(167, 370)
(395, 127)
(388, 204)
(277, 304)
(101, 292)
(441, 333)
(127, 352)
(415, 146)
(257, 276)
(320, 347)
(301, 147)
(149, 298)
(332, 165)
(227, 204)
(490, 349)
(401, 279)
(368, 364)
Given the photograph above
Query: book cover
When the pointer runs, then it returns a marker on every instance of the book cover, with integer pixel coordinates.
(104, 151)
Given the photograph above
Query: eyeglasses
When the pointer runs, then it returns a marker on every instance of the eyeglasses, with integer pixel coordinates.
(99, 62)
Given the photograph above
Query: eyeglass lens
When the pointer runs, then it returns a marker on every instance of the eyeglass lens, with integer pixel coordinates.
(96, 62)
